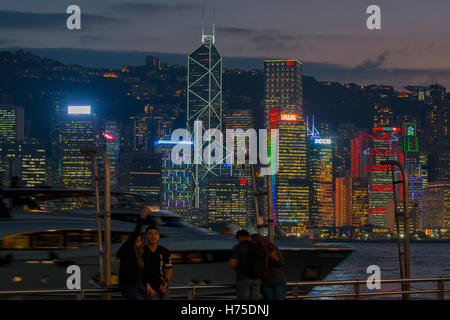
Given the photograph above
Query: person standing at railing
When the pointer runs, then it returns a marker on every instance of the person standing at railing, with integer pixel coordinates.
(249, 260)
(158, 267)
(132, 263)
(273, 285)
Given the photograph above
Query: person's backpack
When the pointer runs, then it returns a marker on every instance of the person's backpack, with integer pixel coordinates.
(256, 262)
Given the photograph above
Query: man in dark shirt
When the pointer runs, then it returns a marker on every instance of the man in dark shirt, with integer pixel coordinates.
(157, 266)
(131, 262)
(246, 288)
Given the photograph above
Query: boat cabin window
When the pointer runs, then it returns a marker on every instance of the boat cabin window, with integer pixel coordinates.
(61, 239)
(49, 240)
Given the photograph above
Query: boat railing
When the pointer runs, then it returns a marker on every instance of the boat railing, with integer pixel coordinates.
(226, 292)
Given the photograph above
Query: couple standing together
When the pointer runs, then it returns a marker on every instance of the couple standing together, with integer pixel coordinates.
(145, 270)
(259, 268)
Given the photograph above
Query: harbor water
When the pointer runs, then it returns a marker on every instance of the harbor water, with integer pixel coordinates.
(428, 260)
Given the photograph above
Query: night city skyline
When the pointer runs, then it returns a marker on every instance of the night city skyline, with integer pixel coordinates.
(269, 145)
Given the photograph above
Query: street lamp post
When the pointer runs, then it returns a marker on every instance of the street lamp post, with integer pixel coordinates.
(406, 252)
(105, 257)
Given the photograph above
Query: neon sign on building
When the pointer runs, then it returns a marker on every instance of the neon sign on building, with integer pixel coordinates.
(288, 117)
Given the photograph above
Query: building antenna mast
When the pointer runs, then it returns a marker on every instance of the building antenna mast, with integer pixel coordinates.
(203, 23)
(214, 25)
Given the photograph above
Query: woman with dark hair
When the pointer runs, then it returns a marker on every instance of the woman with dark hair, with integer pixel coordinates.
(273, 285)
(131, 262)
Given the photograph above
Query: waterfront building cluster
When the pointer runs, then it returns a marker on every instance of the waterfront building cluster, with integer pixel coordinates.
(330, 182)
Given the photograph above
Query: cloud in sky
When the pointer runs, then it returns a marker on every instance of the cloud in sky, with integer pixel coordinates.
(16, 20)
(154, 8)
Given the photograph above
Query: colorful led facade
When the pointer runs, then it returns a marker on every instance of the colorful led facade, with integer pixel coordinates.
(414, 173)
(176, 182)
(384, 144)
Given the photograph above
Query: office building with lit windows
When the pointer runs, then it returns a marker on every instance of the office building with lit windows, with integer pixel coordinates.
(241, 119)
(343, 196)
(78, 130)
(351, 200)
(290, 184)
(140, 172)
(109, 139)
(284, 111)
(320, 164)
(11, 138)
(226, 204)
(436, 205)
(11, 124)
(141, 132)
(33, 158)
(359, 202)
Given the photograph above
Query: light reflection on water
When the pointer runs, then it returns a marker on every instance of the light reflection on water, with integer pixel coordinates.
(428, 260)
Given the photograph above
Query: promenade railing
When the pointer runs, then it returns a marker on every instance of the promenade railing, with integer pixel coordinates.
(296, 291)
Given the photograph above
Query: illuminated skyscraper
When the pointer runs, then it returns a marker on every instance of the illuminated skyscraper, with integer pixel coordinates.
(110, 140)
(437, 116)
(204, 103)
(141, 131)
(359, 202)
(284, 111)
(176, 186)
(283, 87)
(290, 184)
(436, 205)
(414, 172)
(11, 137)
(342, 149)
(33, 164)
(320, 164)
(78, 131)
(11, 124)
(235, 119)
(226, 205)
(383, 115)
(343, 197)
(384, 144)
(359, 154)
(351, 201)
(440, 161)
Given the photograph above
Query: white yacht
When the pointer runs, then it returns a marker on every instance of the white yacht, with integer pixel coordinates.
(36, 246)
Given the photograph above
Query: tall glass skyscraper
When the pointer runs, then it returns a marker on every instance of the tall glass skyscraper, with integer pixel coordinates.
(283, 109)
(204, 103)
(78, 131)
(321, 179)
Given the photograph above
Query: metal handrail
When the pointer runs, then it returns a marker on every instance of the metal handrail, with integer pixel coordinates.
(193, 289)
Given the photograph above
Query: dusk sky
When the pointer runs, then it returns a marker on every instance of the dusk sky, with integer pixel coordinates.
(329, 36)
